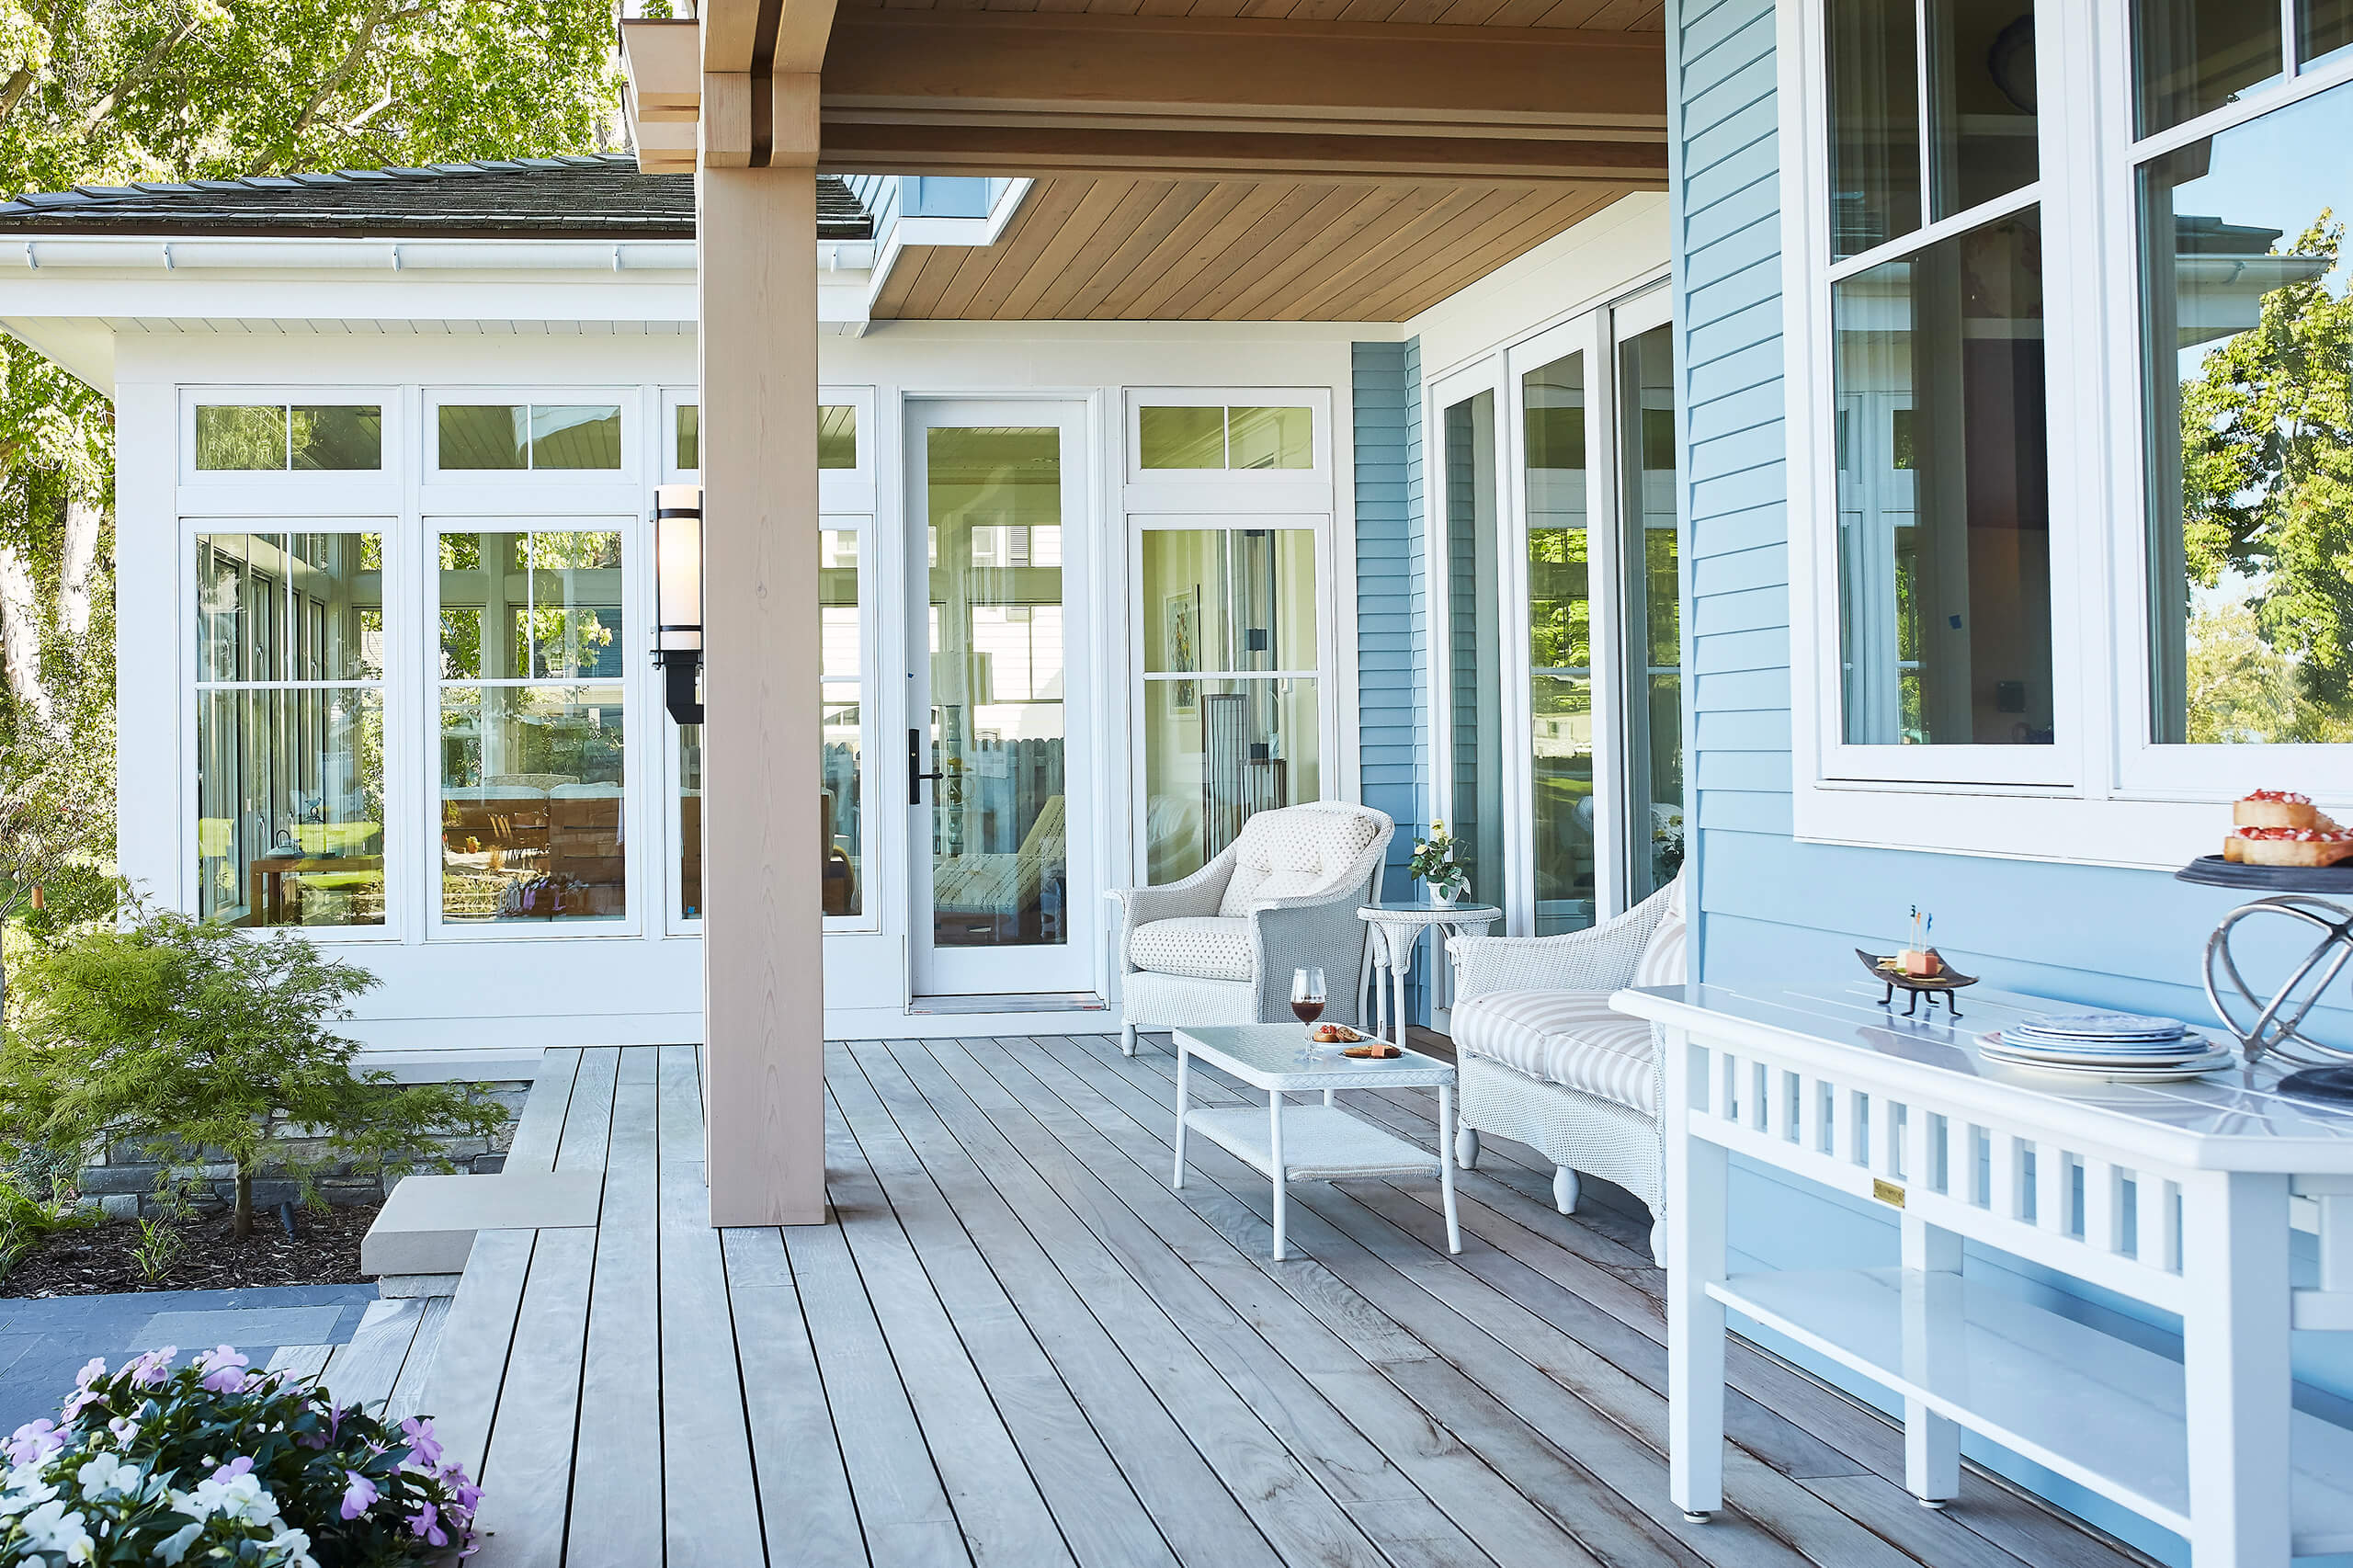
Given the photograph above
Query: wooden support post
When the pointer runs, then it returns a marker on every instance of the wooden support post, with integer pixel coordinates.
(2235, 1374)
(763, 958)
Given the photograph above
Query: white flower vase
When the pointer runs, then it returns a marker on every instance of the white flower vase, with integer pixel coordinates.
(1444, 897)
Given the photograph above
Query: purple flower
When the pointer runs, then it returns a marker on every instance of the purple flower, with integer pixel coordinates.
(359, 1495)
(225, 1369)
(74, 1406)
(418, 1430)
(153, 1367)
(33, 1442)
(424, 1523)
(125, 1429)
(468, 1494)
(240, 1465)
(92, 1371)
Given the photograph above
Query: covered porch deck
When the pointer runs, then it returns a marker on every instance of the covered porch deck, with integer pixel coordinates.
(1017, 1346)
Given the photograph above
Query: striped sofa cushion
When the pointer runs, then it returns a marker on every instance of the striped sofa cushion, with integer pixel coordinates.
(1662, 962)
(1563, 1036)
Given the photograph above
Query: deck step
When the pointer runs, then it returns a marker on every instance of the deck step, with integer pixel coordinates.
(428, 1226)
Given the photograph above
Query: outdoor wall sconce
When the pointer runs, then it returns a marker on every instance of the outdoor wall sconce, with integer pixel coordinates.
(677, 595)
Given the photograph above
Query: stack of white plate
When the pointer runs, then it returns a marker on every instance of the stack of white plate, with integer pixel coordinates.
(2124, 1048)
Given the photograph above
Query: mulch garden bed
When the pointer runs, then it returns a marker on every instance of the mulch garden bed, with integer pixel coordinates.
(324, 1250)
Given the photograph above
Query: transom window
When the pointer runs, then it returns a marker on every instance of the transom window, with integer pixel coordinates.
(1185, 435)
(295, 437)
(491, 436)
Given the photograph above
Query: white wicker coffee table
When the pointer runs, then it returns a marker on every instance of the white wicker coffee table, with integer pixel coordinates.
(1310, 1142)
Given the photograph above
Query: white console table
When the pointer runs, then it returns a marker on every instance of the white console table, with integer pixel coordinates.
(2179, 1195)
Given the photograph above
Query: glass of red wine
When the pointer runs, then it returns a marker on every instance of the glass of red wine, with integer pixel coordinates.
(1307, 994)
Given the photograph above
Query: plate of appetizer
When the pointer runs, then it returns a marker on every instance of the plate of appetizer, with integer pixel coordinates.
(2280, 842)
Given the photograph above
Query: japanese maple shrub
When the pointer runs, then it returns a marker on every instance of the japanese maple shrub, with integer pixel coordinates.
(181, 1036)
(215, 1463)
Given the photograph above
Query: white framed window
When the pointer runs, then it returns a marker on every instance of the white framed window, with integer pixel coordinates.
(845, 444)
(539, 436)
(1216, 449)
(293, 796)
(1232, 650)
(532, 658)
(272, 436)
(2057, 589)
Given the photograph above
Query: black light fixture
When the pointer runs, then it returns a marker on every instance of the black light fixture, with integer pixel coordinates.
(677, 595)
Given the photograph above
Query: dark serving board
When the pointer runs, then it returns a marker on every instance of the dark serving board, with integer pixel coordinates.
(2213, 872)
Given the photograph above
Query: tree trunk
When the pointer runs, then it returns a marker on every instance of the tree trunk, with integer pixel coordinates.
(20, 632)
(243, 1225)
(81, 555)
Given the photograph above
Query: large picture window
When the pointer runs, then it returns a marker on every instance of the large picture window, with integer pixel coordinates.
(530, 657)
(289, 728)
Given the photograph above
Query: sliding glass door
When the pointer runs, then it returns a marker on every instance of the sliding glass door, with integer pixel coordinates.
(1556, 572)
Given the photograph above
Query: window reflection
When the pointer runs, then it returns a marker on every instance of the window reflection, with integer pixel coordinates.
(1944, 527)
(2191, 56)
(1560, 650)
(531, 736)
(1236, 602)
(2250, 437)
(289, 729)
(1474, 604)
(1652, 622)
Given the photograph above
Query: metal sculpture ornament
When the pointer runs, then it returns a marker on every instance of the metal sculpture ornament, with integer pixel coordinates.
(2275, 1028)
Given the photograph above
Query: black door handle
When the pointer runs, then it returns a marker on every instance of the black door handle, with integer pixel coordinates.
(915, 776)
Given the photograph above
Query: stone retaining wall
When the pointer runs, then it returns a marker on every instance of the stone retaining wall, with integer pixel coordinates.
(122, 1180)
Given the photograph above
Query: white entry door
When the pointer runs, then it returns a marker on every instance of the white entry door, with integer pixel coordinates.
(1005, 900)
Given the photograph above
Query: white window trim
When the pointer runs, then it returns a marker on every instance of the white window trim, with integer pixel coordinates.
(400, 806)
(845, 490)
(2103, 794)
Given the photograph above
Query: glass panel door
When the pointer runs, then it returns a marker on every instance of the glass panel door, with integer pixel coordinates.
(1651, 619)
(1474, 695)
(1005, 901)
(1560, 643)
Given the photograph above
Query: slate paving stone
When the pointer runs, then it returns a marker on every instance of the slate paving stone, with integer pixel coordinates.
(44, 1343)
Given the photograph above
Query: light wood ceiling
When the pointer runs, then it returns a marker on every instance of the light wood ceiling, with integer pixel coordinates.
(1115, 249)
(1631, 16)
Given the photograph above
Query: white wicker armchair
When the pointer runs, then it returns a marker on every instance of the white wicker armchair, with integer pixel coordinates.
(1218, 946)
(1544, 1060)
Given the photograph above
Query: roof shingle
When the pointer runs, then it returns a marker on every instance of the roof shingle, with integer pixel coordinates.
(590, 195)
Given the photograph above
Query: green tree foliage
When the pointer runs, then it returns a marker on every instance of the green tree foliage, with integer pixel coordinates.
(179, 1035)
(2266, 448)
(109, 91)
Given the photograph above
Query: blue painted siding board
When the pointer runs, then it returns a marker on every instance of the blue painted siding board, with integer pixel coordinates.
(1393, 617)
(1731, 570)
(1738, 691)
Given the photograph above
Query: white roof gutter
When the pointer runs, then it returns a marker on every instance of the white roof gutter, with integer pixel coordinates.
(116, 253)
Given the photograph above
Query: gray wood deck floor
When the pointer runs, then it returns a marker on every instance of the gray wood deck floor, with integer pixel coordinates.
(1019, 1347)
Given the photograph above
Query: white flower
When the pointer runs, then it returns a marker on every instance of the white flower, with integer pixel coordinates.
(173, 1547)
(296, 1547)
(50, 1528)
(26, 1490)
(239, 1497)
(105, 1473)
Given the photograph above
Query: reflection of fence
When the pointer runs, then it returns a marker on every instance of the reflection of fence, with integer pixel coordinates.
(1001, 790)
(1239, 777)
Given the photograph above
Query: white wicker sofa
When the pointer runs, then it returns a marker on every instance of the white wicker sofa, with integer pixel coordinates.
(1545, 1060)
(1218, 946)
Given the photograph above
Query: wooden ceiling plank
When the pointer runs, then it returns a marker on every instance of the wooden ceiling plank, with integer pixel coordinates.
(1258, 199)
(1382, 207)
(1455, 267)
(1219, 8)
(1087, 295)
(1487, 228)
(1324, 217)
(1212, 210)
(1051, 298)
(935, 271)
(1272, 236)
(1088, 220)
(1048, 206)
(1469, 13)
(1631, 16)
(1433, 223)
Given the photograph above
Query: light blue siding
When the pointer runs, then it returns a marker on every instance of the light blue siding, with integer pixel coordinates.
(1393, 611)
(1775, 912)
